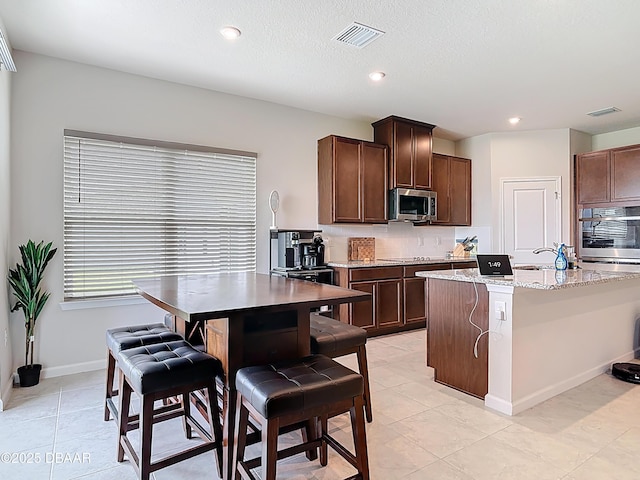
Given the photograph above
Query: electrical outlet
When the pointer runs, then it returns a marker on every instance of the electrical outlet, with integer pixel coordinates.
(501, 311)
(421, 241)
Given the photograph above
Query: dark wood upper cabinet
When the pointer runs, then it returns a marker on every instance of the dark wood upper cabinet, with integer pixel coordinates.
(593, 177)
(352, 181)
(460, 191)
(608, 176)
(451, 177)
(374, 186)
(410, 146)
(625, 173)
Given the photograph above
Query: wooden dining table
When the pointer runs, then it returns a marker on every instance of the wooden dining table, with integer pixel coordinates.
(243, 319)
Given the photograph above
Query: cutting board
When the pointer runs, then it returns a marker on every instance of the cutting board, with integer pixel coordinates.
(361, 248)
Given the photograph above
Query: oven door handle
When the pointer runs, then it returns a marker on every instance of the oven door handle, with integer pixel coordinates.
(598, 219)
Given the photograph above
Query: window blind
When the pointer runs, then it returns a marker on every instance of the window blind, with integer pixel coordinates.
(137, 208)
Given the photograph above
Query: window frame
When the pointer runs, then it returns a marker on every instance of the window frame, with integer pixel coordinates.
(178, 152)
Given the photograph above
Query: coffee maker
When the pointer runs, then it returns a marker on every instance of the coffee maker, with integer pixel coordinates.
(289, 250)
(299, 249)
(312, 253)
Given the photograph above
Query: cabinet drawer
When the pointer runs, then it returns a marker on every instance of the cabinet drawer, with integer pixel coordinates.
(411, 271)
(469, 264)
(358, 274)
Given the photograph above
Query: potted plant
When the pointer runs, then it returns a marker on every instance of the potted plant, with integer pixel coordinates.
(25, 282)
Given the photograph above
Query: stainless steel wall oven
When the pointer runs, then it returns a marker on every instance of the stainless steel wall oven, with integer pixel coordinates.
(609, 234)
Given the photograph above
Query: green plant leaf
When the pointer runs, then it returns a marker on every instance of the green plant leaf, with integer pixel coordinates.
(25, 281)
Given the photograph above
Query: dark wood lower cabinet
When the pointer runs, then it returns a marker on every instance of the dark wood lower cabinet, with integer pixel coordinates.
(399, 298)
(389, 303)
(385, 308)
(451, 337)
(362, 312)
(415, 305)
(384, 312)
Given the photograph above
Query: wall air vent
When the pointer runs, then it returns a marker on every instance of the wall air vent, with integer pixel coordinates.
(6, 61)
(358, 35)
(603, 111)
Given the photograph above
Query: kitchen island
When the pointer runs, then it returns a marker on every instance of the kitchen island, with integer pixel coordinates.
(545, 331)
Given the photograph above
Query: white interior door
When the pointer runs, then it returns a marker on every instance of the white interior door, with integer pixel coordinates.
(531, 218)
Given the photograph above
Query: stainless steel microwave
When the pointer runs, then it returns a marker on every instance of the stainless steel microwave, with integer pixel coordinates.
(410, 205)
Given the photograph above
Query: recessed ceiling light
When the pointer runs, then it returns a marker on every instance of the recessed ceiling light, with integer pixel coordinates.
(230, 33)
(376, 76)
(514, 120)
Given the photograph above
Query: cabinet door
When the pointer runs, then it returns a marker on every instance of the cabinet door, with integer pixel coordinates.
(389, 303)
(459, 191)
(362, 313)
(422, 157)
(625, 173)
(593, 174)
(374, 183)
(347, 206)
(440, 184)
(403, 156)
(451, 338)
(415, 307)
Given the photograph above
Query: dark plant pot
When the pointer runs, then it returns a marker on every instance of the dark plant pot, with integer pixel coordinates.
(29, 375)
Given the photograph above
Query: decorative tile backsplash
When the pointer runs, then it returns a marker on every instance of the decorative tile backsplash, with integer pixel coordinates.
(391, 241)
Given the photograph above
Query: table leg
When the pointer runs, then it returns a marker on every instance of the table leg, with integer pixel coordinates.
(228, 433)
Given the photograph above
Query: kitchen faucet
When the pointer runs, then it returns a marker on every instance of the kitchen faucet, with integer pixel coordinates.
(545, 249)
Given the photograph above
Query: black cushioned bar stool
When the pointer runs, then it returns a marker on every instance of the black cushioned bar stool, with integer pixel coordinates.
(288, 393)
(335, 339)
(156, 372)
(123, 338)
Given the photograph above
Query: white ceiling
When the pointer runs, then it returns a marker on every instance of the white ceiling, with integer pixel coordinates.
(464, 65)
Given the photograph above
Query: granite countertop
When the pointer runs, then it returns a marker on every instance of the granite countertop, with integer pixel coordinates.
(543, 279)
(396, 262)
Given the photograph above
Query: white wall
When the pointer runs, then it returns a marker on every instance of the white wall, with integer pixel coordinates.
(531, 154)
(621, 138)
(478, 149)
(515, 155)
(445, 147)
(50, 95)
(6, 364)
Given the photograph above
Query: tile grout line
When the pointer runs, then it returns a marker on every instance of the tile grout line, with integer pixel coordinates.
(55, 431)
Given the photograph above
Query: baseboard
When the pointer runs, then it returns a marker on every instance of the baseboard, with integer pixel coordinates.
(498, 404)
(5, 396)
(513, 408)
(73, 368)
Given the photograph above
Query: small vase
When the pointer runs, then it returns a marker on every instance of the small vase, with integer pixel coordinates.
(29, 375)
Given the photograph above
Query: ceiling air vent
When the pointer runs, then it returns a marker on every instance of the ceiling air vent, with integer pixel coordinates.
(603, 111)
(358, 35)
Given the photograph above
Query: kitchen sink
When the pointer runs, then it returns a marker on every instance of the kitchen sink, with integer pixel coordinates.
(534, 267)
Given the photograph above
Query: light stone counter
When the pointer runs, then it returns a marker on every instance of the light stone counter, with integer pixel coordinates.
(549, 333)
(544, 279)
(396, 262)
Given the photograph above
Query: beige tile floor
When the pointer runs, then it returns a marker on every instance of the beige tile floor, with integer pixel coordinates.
(421, 431)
